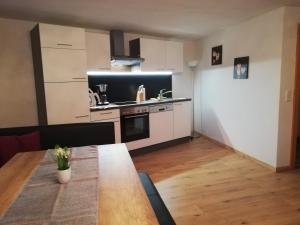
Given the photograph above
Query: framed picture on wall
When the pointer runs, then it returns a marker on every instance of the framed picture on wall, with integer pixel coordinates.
(216, 55)
(241, 68)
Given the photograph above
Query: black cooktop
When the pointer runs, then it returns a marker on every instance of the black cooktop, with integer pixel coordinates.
(124, 103)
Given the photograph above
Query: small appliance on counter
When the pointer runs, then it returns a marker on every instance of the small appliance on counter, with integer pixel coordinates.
(102, 94)
(94, 98)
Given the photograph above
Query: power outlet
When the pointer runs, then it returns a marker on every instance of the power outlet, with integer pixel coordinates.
(288, 96)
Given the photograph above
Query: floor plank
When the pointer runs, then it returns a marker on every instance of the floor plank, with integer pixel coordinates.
(202, 183)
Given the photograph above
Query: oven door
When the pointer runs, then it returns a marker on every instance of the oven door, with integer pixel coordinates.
(134, 127)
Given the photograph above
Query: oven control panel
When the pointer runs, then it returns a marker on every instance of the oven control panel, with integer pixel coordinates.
(135, 110)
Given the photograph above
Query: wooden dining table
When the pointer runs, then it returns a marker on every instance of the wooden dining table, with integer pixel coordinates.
(122, 198)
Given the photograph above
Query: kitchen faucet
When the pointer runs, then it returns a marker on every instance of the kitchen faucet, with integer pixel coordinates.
(162, 93)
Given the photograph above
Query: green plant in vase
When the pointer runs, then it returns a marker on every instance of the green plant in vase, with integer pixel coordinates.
(62, 157)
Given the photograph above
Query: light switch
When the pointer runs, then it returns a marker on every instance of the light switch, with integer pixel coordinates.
(288, 96)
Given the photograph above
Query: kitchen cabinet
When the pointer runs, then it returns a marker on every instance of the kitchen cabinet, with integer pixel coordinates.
(109, 116)
(56, 36)
(154, 53)
(63, 65)
(174, 56)
(98, 51)
(59, 60)
(159, 55)
(105, 114)
(67, 102)
(182, 119)
(161, 127)
(138, 144)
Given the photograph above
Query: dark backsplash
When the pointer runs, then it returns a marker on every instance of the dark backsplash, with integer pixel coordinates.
(124, 87)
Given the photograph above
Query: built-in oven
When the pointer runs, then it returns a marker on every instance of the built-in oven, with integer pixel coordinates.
(134, 123)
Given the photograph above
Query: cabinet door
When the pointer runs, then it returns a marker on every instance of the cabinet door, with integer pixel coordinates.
(182, 119)
(174, 56)
(67, 102)
(117, 132)
(62, 65)
(98, 51)
(161, 127)
(54, 36)
(154, 53)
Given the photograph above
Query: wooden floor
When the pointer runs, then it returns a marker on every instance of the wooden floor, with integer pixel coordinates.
(204, 184)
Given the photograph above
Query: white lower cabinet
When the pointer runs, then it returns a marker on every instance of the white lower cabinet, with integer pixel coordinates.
(182, 119)
(161, 127)
(138, 144)
(117, 125)
(67, 102)
(109, 116)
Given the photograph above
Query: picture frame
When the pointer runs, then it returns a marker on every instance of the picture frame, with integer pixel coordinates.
(216, 55)
(241, 68)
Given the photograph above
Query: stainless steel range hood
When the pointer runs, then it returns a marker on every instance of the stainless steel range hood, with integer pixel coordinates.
(117, 50)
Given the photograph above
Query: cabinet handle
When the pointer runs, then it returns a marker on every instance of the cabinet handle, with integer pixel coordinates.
(104, 68)
(107, 121)
(62, 44)
(106, 113)
(137, 116)
(79, 78)
(77, 117)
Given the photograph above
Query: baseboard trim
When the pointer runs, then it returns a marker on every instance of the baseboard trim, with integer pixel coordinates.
(152, 148)
(275, 169)
(283, 169)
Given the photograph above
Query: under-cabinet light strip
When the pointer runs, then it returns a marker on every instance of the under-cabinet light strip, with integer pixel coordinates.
(96, 73)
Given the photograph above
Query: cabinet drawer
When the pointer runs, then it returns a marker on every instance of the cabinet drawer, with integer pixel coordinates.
(55, 36)
(105, 114)
(62, 65)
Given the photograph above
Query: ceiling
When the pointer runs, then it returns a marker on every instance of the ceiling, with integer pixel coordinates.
(171, 18)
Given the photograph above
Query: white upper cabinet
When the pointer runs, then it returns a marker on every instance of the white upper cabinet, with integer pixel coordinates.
(174, 56)
(55, 36)
(161, 55)
(63, 65)
(154, 53)
(98, 51)
(182, 119)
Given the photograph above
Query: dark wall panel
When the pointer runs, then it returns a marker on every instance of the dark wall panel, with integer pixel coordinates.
(124, 87)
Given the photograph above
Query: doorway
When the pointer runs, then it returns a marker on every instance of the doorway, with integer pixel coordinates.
(295, 154)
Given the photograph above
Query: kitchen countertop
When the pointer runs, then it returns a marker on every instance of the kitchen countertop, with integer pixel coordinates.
(145, 103)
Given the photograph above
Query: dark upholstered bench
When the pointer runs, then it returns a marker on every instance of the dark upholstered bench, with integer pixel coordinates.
(71, 135)
(161, 211)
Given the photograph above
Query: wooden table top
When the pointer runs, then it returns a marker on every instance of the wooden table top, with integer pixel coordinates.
(122, 198)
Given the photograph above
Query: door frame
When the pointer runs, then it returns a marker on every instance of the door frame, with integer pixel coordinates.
(296, 104)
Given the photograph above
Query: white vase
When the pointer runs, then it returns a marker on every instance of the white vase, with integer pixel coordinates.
(64, 176)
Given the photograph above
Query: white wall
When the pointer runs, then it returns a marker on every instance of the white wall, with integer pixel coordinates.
(243, 113)
(17, 88)
(291, 21)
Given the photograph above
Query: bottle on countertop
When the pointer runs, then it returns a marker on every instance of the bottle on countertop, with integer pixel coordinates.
(141, 94)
